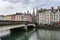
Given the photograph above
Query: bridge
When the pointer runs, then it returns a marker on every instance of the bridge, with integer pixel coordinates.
(6, 25)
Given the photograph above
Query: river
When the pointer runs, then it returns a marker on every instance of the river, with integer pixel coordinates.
(34, 34)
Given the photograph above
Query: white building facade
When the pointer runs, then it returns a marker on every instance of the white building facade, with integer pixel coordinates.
(46, 16)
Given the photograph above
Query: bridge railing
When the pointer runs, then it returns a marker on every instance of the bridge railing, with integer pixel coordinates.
(7, 22)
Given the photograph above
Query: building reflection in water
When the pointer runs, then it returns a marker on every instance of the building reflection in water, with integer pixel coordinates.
(45, 35)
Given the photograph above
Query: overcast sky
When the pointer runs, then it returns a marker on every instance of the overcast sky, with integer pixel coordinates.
(13, 6)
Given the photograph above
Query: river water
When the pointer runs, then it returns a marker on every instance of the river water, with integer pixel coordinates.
(34, 34)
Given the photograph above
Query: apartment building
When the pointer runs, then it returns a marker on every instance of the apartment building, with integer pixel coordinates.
(19, 17)
(28, 17)
(7, 17)
(46, 16)
(1, 17)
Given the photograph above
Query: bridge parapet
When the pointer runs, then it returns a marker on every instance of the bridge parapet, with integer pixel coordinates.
(8, 22)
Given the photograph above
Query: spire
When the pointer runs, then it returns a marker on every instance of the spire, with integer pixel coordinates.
(36, 10)
(33, 12)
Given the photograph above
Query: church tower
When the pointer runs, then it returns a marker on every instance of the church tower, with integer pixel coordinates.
(34, 12)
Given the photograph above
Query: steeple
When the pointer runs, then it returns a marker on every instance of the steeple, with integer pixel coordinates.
(36, 11)
(33, 12)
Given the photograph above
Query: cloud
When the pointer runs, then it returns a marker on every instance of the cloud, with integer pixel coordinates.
(3, 4)
(13, 6)
(12, 1)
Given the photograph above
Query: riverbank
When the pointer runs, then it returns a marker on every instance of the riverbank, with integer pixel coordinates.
(48, 27)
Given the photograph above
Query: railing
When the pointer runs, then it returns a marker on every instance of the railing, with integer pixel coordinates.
(7, 22)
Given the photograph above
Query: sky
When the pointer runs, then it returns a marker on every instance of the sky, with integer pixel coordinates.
(12, 6)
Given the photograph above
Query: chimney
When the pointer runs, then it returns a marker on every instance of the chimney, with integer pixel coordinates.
(41, 9)
(58, 8)
(24, 12)
(27, 12)
(44, 9)
(52, 8)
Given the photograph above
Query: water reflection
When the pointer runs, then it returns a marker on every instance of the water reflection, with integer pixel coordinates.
(39, 34)
(45, 35)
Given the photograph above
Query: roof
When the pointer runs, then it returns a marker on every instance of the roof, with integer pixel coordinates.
(43, 10)
(2, 15)
(19, 13)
